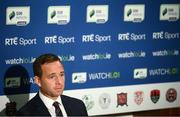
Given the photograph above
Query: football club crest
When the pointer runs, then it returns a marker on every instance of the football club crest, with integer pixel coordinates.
(122, 99)
(155, 95)
(171, 95)
(138, 97)
(88, 101)
(104, 100)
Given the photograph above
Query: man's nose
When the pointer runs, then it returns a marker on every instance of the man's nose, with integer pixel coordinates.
(58, 80)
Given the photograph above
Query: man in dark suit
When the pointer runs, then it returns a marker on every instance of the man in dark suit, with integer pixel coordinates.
(49, 101)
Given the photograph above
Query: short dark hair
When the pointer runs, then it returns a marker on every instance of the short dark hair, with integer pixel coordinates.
(42, 59)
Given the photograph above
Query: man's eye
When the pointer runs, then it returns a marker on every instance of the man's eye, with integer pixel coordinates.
(62, 74)
(52, 77)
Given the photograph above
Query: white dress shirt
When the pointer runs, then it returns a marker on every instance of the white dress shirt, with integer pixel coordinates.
(49, 104)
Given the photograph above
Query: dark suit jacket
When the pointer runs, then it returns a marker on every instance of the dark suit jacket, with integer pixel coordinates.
(36, 107)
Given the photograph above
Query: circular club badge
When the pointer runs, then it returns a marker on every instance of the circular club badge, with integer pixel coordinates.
(171, 95)
(104, 100)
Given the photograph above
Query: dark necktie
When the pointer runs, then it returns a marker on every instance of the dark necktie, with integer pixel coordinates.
(57, 109)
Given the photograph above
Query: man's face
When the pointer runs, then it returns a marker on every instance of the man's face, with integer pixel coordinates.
(52, 81)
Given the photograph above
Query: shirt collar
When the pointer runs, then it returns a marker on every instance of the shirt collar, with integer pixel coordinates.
(48, 101)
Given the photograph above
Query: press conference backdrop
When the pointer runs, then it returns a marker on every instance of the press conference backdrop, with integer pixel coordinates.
(119, 55)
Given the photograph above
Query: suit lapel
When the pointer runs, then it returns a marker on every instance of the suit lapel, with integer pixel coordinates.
(41, 108)
(66, 105)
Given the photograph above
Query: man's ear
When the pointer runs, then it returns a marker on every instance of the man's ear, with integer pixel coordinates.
(37, 81)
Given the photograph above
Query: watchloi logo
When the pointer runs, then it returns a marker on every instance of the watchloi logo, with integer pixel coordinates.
(102, 56)
(132, 54)
(104, 75)
(166, 53)
(67, 57)
(20, 60)
(163, 71)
